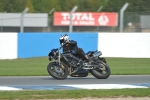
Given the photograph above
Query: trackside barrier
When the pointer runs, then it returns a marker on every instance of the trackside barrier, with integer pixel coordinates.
(8, 45)
(39, 44)
(130, 45)
(26, 45)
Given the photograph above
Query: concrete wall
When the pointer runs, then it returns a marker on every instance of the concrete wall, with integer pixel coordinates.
(26, 45)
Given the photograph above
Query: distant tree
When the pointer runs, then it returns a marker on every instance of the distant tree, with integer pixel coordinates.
(93, 5)
(28, 4)
(12, 5)
(138, 5)
(1, 7)
(67, 5)
(134, 5)
(55, 4)
(83, 5)
(45, 6)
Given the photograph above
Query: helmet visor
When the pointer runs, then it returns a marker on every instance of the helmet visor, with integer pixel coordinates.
(61, 41)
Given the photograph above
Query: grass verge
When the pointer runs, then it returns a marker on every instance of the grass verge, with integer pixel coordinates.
(58, 94)
(38, 66)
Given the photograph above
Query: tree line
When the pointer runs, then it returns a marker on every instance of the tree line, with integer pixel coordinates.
(44, 6)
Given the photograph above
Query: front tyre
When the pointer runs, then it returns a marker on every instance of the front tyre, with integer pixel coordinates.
(56, 71)
(102, 72)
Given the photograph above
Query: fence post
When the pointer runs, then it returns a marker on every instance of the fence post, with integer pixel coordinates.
(49, 22)
(1, 21)
(99, 11)
(122, 16)
(99, 8)
(22, 17)
(72, 11)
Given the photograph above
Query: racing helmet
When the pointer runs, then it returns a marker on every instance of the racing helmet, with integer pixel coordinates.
(64, 39)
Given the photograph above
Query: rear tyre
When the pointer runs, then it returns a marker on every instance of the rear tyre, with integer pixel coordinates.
(103, 72)
(56, 71)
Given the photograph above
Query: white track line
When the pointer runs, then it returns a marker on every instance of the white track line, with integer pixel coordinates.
(105, 86)
(81, 86)
(6, 88)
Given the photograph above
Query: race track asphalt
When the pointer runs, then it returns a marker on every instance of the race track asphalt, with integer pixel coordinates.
(49, 83)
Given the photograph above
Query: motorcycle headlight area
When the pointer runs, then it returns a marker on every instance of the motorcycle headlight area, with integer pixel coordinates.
(53, 55)
(50, 58)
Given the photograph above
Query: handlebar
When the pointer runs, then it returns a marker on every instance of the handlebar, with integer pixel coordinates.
(56, 49)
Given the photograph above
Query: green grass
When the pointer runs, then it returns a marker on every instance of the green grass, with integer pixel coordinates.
(129, 66)
(24, 67)
(24, 95)
(38, 66)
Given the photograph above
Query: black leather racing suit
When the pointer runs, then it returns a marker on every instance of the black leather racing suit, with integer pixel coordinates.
(72, 45)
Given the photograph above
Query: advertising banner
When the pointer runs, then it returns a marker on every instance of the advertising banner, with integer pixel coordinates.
(86, 19)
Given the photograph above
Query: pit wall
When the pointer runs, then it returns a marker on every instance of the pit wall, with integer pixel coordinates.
(27, 45)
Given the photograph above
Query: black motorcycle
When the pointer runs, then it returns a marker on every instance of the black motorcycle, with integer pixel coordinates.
(64, 64)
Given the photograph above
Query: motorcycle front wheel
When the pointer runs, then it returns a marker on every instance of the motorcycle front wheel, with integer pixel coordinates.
(102, 72)
(56, 71)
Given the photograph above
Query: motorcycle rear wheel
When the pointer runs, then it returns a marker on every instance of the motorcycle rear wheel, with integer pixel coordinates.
(101, 74)
(56, 71)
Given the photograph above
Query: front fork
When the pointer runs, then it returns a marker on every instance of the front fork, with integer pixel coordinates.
(59, 62)
(59, 56)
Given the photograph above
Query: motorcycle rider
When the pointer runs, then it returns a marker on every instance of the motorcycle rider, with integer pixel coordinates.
(69, 45)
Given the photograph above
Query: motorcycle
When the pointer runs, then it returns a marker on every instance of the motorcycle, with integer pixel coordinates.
(63, 64)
